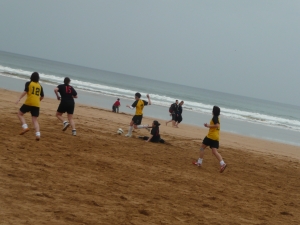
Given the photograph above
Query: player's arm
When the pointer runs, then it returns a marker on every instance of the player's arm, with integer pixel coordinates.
(42, 94)
(215, 125)
(212, 126)
(26, 89)
(149, 100)
(133, 105)
(74, 93)
(56, 93)
(22, 95)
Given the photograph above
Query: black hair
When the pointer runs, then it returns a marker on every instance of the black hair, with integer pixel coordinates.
(138, 95)
(156, 123)
(35, 77)
(216, 111)
(67, 80)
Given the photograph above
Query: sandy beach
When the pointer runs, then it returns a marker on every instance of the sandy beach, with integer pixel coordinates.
(100, 177)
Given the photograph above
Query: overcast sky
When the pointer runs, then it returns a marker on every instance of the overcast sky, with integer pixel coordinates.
(249, 48)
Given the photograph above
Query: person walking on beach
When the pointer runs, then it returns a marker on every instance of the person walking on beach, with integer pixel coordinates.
(67, 103)
(137, 118)
(179, 114)
(155, 136)
(116, 105)
(35, 94)
(173, 112)
(212, 139)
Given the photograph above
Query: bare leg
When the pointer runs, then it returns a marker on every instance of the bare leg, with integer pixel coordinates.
(71, 121)
(200, 160)
(202, 151)
(23, 122)
(217, 154)
(37, 128)
(219, 157)
(21, 117)
(36, 124)
(168, 122)
(174, 124)
(59, 116)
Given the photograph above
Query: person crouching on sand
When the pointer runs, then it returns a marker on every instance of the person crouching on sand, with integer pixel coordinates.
(116, 106)
(137, 118)
(212, 139)
(155, 136)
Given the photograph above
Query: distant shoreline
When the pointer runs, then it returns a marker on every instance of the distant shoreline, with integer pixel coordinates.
(49, 106)
(161, 113)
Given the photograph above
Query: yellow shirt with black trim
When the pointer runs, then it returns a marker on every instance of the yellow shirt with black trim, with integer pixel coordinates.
(214, 133)
(34, 93)
(139, 106)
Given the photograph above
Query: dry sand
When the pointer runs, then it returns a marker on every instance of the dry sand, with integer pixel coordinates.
(99, 177)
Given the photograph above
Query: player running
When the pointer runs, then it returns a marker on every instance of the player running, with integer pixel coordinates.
(137, 118)
(35, 94)
(67, 104)
(212, 139)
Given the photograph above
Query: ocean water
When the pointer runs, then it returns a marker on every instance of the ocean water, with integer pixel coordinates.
(259, 118)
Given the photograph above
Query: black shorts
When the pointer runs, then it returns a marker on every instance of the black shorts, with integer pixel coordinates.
(66, 107)
(137, 120)
(211, 143)
(35, 111)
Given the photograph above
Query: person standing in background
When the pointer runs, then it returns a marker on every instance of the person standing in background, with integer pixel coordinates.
(179, 114)
(35, 94)
(116, 105)
(67, 104)
(173, 110)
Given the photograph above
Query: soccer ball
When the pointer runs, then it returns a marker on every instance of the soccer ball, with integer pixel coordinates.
(120, 131)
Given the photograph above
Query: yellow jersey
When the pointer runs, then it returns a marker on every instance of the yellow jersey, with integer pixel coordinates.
(214, 133)
(34, 93)
(139, 106)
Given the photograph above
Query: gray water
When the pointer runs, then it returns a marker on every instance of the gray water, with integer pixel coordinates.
(241, 115)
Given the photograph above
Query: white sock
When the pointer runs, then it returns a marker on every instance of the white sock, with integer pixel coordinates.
(142, 126)
(38, 134)
(24, 126)
(65, 122)
(200, 161)
(130, 129)
(222, 163)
